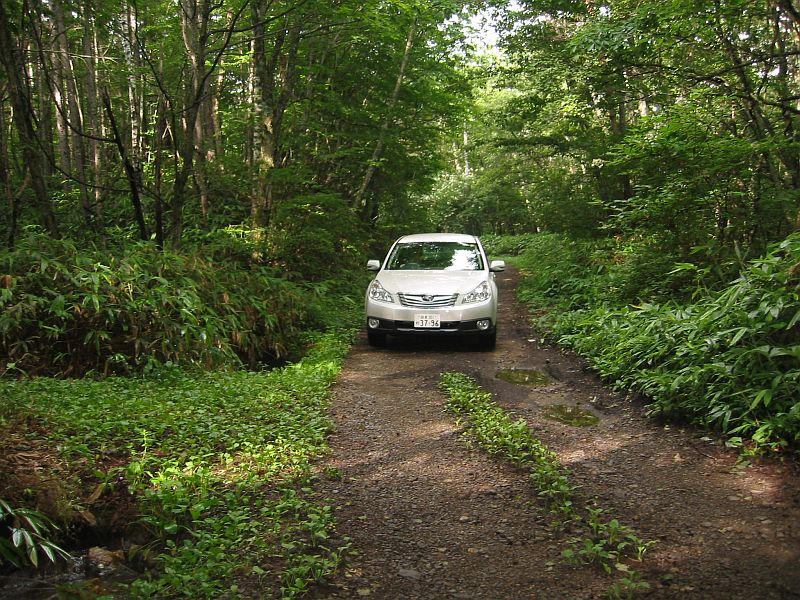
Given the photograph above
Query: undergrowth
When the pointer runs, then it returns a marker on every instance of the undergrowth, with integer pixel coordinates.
(604, 542)
(498, 433)
(218, 465)
(727, 359)
(66, 311)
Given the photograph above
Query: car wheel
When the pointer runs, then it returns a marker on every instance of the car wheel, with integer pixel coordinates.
(488, 342)
(375, 339)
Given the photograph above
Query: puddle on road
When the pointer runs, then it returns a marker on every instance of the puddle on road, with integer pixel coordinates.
(530, 377)
(563, 413)
(571, 415)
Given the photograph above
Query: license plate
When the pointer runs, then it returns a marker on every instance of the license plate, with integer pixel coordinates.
(427, 321)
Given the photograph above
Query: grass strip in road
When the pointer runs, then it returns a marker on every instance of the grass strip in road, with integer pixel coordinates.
(496, 432)
(215, 468)
(604, 542)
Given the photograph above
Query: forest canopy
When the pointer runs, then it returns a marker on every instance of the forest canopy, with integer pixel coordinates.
(670, 124)
(146, 119)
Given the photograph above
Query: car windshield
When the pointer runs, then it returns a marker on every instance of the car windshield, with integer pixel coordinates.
(435, 256)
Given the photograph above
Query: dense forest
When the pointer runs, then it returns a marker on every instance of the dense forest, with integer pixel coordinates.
(670, 125)
(193, 186)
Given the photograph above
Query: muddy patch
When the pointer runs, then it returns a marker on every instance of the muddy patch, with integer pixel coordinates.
(571, 415)
(529, 377)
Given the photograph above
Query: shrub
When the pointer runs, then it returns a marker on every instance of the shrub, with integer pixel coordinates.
(66, 311)
(729, 361)
(315, 236)
(507, 245)
(28, 534)
(558, 271)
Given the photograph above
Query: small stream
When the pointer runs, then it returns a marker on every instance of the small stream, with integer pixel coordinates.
(89, 573)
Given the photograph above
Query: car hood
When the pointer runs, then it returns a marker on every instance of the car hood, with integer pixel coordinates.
(437, 283)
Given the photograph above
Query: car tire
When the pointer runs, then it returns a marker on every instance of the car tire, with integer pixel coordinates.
(489, 342)
(375, 339)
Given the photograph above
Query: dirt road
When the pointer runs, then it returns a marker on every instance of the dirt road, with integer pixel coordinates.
(434, 518)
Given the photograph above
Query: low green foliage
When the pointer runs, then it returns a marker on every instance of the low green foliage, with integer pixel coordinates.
(557, 272)
(219, 464)
(498, 433)
(728, 359)
(507, 245)
(24, 533)
(607, 544)
(66, 311)
(316, 236)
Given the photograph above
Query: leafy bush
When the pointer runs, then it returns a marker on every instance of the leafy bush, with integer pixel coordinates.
(644, 271)
(28, 533)
(558, 271)
(728, 361)
(67, 311)
(507, 245)
(316, 236)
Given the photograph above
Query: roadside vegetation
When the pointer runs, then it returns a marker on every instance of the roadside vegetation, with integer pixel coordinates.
(725, 356)
(204, 477)
(171, 405)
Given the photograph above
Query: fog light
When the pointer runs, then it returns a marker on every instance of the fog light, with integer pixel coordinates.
(484, 324)
(373, 323)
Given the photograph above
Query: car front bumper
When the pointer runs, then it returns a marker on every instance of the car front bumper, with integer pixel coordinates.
(456, 320)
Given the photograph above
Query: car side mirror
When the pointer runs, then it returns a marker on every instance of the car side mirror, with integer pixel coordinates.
(373, 265)
(497, 266)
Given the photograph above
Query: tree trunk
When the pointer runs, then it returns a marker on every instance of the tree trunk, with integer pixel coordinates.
(24, 119)
(75, 120)
(194, 27)
(93, 124)
(274, 84)
(136, 110)
(131, 172)
(45, 128)
(359, 201)
(59, 91)
(264, 135)
(6, 181)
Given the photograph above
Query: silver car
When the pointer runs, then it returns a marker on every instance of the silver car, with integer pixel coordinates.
(433, 283)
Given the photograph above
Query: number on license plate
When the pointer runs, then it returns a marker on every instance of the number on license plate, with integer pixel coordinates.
(427, 321)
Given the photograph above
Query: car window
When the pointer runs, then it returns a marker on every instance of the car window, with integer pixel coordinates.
(435, 256)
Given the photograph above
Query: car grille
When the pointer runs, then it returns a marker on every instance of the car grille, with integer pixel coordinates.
(427, 301)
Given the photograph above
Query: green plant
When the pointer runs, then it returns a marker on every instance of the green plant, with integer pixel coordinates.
(67, 311)
(607, 542)
(507, 245)
(495, 431)
(28, 534)
(219, 464)
(728, 361)
(627, 584)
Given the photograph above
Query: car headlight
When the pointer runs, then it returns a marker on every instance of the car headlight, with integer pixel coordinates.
(378, 293)
(480, 294)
